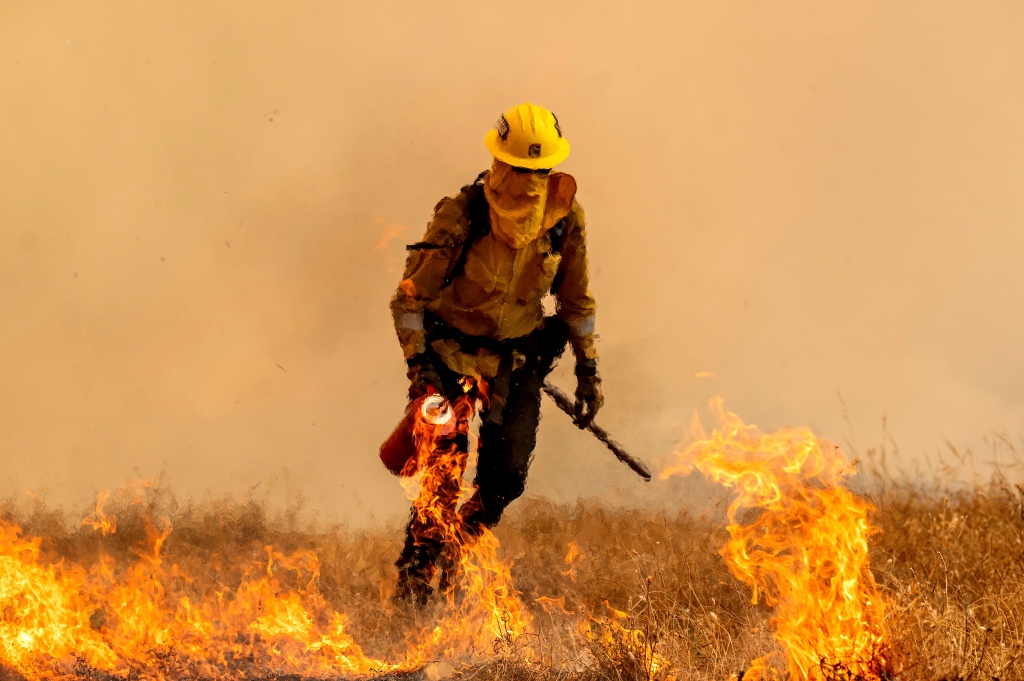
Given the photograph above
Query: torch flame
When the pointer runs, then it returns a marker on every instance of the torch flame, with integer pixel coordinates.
(475, 581)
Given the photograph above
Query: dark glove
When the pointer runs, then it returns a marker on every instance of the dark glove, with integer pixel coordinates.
(589, 399)
(423, 377)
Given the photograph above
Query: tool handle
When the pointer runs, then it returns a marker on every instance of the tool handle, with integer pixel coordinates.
(566, 404)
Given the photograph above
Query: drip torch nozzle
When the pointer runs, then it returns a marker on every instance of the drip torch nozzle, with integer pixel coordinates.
(436, 410)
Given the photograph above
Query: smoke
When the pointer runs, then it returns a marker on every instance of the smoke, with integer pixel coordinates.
(202, 213)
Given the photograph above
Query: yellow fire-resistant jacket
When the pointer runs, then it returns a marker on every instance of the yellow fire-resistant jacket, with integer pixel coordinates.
(498, 295)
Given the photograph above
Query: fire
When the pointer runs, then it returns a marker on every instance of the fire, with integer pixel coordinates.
(799, 539)
(59, 620)
(571, 558)
(626, 646)
(98, 520)
(475, 582)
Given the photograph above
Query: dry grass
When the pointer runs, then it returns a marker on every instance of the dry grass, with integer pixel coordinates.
(954, 568)
(952, 565)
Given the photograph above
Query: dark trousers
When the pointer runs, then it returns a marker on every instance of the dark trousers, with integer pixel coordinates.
(505, 450)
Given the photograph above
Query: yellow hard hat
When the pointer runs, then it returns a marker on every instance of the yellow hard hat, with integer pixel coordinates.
(527, 136)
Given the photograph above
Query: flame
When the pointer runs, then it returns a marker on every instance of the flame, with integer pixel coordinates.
(553, 605)
(614, 637)
(574, 553)
(99, 520)
(626, 646)
(55, 620)
(477, 583)
(60, 621)
(571, 558)
(799, 539)
(389, 232)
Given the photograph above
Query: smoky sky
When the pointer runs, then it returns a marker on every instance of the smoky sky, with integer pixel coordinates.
(812, 209)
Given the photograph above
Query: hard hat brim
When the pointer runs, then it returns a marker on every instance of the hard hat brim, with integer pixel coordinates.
(493, 143)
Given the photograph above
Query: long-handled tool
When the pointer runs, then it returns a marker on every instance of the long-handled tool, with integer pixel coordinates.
(566, 404)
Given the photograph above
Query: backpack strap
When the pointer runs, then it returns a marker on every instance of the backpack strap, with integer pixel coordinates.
(557, 236)
(479, 227)
(426, 245)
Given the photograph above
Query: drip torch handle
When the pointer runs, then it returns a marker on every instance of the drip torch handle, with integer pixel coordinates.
(566, 404)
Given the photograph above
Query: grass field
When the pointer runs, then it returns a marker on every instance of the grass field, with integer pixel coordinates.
(951, 565)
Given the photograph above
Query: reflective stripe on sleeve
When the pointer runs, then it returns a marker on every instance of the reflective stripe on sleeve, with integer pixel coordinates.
(584, 327)
(412, 321)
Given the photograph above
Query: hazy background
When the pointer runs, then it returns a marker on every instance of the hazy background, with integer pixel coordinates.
(203, 208)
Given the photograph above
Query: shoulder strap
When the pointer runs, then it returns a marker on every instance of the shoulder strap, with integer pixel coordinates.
(479, 226)
(557, 236)
(557, 240)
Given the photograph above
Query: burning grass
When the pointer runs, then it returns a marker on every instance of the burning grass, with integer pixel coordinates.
(611, 593)
(145, 588)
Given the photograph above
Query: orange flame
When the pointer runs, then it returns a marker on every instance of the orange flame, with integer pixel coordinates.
(389, 232)
(99, 520)
(479, 593)
(64, 620)
(571, 558)
(626, 646)
(798, 538)
(56, 619)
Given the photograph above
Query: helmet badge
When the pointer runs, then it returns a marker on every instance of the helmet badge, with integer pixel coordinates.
(502, 127)
(534, 151)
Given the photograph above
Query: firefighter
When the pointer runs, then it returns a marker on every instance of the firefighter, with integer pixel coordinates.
(470, 305)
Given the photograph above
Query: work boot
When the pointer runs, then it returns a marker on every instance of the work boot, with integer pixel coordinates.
(448, 564)
(473, 519)
(411, 589)
(416, 572)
